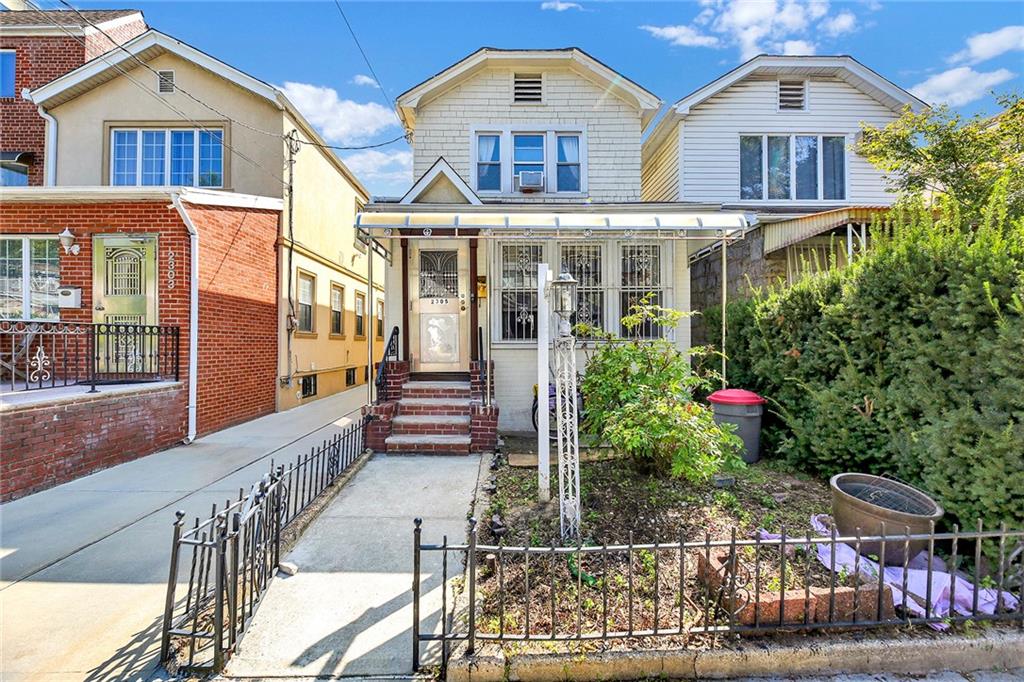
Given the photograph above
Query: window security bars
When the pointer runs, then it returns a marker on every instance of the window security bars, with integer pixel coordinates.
(225, 562)
(756, 586)
(36, 355)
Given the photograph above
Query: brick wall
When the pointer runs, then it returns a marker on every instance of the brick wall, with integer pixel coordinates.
(45, 445)
(483, 428)
(396, 373)
(378, 428)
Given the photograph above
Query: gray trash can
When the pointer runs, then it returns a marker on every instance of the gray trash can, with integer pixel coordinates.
(742, 408)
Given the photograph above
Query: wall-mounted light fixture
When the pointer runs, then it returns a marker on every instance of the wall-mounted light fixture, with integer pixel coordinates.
(67, 240)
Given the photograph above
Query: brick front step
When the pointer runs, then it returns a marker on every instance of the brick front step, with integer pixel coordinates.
(434, 406)
(435, 389)
(429, 443)
(413, 424)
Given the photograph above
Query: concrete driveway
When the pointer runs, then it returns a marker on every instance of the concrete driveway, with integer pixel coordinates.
(83, 566)
(348, 611)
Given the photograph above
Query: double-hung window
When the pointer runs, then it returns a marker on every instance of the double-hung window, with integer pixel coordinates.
(792, 167)
(337, 309)
(640, 272)
(307, 302)
(488, 163)
(360, 315)
(29, 278)
(155, 157)
(380, 319)
(585, 262)
(518, 282)
(8, 60)
(568, 163)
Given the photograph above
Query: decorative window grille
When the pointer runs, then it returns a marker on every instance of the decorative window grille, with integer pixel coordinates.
(518, 295)
(585, 263)
(337, 309)
(307, 300)
(792, 95)
(360, 314)
(125, 276)
(641, 278)
(527, 88)
(439, 274)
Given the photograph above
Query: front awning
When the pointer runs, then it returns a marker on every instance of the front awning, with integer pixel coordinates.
(530, 225)
(22, 158)
(787, 232)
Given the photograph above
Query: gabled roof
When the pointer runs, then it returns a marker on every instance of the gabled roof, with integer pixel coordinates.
(16, 22)
(571, 57)
(438, 172)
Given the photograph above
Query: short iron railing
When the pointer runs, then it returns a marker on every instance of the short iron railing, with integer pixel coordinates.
(225, 562)
(37, 355)
(390, 355)
(683, 588)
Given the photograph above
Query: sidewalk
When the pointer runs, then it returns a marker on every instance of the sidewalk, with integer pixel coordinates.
(348, 611)
(83, 566)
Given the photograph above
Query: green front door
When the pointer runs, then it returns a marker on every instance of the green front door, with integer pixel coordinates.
(124, 293)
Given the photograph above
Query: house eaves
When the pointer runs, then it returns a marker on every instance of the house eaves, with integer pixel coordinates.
(53, 23)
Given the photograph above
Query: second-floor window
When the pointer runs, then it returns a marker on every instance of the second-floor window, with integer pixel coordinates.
(360, 315)
(307, 302)
(156, 156)
(7, 62)
(512, 161)
(792, 167)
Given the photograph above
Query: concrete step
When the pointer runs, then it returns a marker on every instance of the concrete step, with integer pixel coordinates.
(422, 424)
(429, 443)
(435, 389)
(434, 406)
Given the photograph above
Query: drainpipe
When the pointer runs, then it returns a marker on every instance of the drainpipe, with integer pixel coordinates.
(193, 315)
(50, 148)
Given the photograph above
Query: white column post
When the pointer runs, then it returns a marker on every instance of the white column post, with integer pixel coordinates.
(543, 428)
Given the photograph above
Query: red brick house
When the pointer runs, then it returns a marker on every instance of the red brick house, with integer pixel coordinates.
(35, 48)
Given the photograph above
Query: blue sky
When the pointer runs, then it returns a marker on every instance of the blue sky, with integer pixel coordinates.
(953, 52)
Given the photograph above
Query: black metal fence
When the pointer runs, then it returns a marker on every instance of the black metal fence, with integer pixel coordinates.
(222, 566)
(390, 354)
(36, 355)
(808, 581)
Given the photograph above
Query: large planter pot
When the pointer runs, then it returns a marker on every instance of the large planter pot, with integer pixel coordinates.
(863, 503)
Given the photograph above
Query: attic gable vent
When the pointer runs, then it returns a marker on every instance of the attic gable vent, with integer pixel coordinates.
(165, 82)
(526, 88)
(792, 95)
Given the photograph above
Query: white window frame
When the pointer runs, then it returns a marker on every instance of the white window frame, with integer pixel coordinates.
(611, 280)
(168, 132)
(792, 169)
(299, 276)
(26, 272)
(550, 131)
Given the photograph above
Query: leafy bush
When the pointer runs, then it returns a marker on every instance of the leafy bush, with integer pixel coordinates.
(639, 396)
(909, 362)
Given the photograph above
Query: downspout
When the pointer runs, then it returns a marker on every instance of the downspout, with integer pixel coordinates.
(193, 315)
(50, 148)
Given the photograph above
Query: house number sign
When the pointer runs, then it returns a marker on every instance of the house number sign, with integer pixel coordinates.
(172, 269)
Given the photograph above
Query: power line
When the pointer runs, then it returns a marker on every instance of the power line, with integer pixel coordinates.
(383, 90)
(365, 146)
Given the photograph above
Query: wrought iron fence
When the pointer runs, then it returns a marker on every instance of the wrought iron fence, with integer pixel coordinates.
(222, 566)
(36, 355)
(810, 581)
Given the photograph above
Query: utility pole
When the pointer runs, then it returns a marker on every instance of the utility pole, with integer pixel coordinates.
(292, 144)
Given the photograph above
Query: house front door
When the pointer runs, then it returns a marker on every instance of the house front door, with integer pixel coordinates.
(439, 306)
(124, 285)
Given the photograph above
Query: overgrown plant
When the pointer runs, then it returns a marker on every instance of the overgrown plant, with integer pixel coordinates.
(639, 396)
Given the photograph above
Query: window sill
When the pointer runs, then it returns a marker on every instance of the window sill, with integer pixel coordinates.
(338, 337)
(359, 338)
(485, 194)
(305, 335)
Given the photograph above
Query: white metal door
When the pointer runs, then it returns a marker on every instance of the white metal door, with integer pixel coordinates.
(439, 320)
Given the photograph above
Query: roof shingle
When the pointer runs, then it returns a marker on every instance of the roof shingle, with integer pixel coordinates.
(67, 18)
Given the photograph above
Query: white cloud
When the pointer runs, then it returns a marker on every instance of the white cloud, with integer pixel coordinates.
(983, 46)
(844, 22)
(756, 26)
(559, 6)
(684, 36)
(383, 172)
(362, 79)
(340, 121)
(960, 85)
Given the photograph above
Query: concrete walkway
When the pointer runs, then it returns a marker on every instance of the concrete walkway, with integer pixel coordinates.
(83, 566)
(348, 611)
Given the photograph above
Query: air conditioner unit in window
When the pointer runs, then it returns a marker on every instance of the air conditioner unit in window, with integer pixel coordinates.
(530, 181)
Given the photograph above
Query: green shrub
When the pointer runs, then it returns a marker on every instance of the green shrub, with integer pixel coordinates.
(908, 362)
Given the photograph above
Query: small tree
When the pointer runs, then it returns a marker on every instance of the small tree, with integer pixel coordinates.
(937, 152)
(638, 396)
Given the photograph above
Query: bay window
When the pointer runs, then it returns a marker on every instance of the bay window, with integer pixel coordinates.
(792, 167)
(156, 157)
(558, 152)
(29, 278)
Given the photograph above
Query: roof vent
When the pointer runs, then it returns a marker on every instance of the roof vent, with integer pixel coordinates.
(165, 82)
(526, 88)
(792, 95)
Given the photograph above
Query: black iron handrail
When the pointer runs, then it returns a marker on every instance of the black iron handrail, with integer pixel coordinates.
(484, 364)
(390, 354)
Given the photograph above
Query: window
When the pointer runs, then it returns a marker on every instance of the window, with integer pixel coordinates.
(350, 376)
(792, 96)
(165, 82)
(797, 167)
(7, 71)
(641, 278)
(360, 315)
(585, 263)
(153, 156)
(568, 163)
(488, 167)
(29, 278)
(307, 385)
(527, 156)
(518, 282)
(337, 309)
(13, 174)
(380, 319)
(527, 88)
(307, 302)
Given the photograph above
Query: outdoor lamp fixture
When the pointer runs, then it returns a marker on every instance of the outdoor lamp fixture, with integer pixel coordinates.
(563, 295)
(67, 240)
(563, 292)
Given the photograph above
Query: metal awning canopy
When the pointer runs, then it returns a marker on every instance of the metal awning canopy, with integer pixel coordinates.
(530, 225)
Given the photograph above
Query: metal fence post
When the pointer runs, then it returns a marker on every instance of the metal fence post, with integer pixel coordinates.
(218, 607)
(278, 512)
(417, 531)
(472, 586)
(172, 583)
(236, 527)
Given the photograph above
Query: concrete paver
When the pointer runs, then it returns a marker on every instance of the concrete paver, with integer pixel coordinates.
(84, 564)
(348, 611)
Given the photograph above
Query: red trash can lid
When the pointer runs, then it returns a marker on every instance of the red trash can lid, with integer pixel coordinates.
(735, 396)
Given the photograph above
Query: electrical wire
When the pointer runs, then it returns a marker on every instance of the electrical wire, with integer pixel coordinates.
(355, 39)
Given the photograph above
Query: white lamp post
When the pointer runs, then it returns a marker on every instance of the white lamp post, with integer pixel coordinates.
(563, 294)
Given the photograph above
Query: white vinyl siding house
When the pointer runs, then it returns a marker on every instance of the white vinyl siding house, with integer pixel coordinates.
(660, 173)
